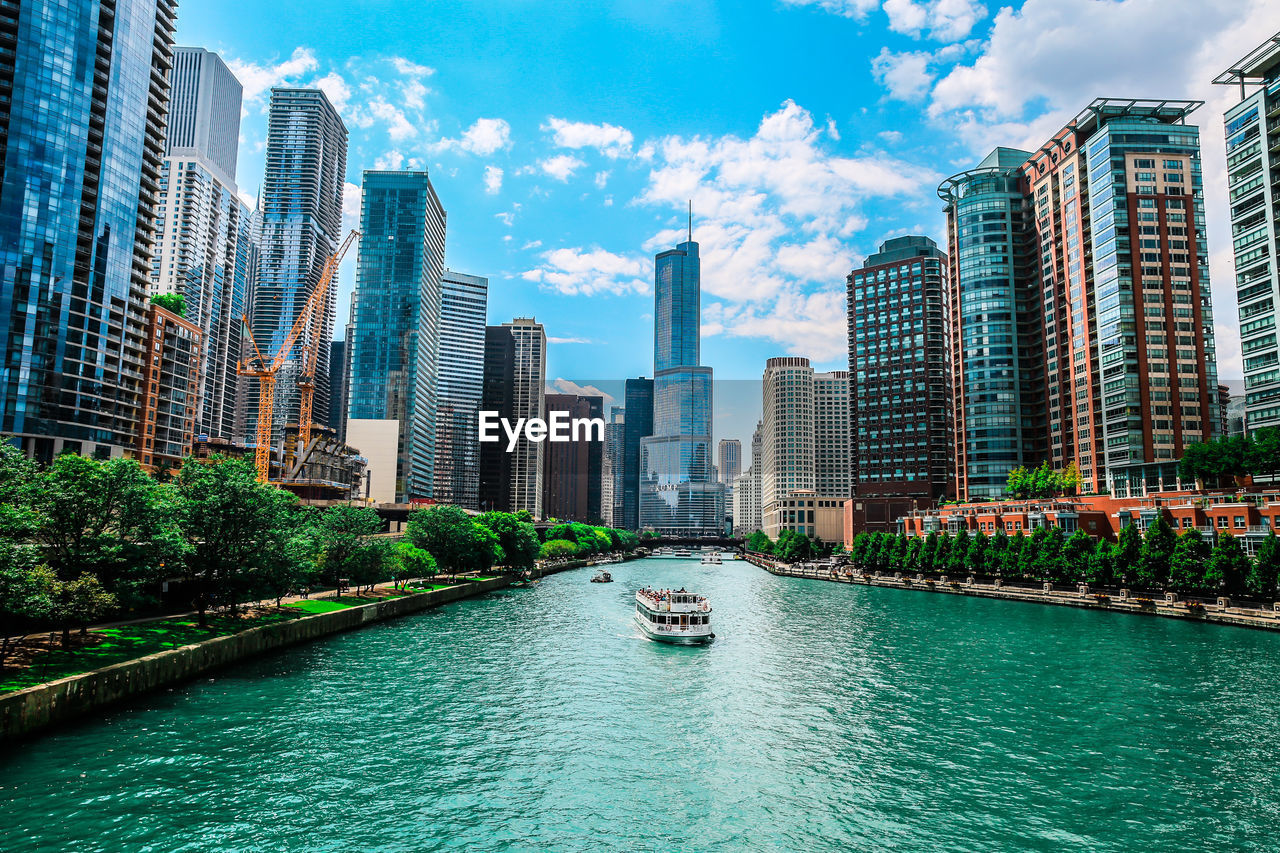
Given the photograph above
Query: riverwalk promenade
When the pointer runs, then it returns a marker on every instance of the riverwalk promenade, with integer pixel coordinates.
(1221, 611)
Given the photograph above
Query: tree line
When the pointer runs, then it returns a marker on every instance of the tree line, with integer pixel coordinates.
(83, 540)
(1217, 463)
(790, 546)
(1159, 560)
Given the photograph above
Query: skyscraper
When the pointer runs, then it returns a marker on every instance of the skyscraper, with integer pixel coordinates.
(899, 385)
(995, 318)
(515, 375)
(678, 492)
(1253, 186)
(730, 459)
(204, 242)
(460, 382)
(394, 330)
(1100, 270)
(612, 468)
(301, 221)
(338, 387)
(638, 405)
(83, 96)
(572, 470)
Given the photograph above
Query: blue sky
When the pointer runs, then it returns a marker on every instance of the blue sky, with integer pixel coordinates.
(564, 138)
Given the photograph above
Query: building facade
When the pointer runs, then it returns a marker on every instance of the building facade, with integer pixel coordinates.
(611, 471)
(514, 383)
(394, 329)
(1253, 187)
(171, 389)
(638, 404)
(497, 394)
(900, 429)
(730, 456)
(204, 246)
(301, 224)
(460, 380)
(679, 494)
(573, 470)
(83, 96)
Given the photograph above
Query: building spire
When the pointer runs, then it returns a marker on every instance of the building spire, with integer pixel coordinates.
(690, 220)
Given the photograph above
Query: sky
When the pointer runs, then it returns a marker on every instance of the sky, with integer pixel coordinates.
(565, 140)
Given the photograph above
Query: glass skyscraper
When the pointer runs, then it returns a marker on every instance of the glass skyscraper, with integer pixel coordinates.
(393, 336)
(461, 381)
(679, 493)
(638, 404)
(301, 226)
(83, 95)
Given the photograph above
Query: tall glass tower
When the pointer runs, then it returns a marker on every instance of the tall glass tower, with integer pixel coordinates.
(393, 335)
(461, 382)
(679, 494)
(83, 95)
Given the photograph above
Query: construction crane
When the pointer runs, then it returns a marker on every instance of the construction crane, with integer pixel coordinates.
(311, 319)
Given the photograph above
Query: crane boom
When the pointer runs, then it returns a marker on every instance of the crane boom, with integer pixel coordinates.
(311, 318)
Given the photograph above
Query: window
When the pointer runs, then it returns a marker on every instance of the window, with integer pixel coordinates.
(1222, 521)
(1240, 522)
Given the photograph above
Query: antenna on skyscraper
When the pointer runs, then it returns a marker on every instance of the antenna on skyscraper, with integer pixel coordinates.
(690, 220)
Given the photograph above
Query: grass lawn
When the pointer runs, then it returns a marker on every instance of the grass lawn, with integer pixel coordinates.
(126, 643)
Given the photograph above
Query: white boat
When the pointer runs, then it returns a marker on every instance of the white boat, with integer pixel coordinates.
(682, 553)
(674, 616)
(712, 559)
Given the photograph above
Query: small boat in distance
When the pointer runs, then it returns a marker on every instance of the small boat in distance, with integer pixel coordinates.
(602, 576)
(682, 553)
(674, 616)
(712, 559)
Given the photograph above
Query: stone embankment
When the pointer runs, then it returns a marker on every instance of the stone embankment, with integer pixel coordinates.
(1221, 610)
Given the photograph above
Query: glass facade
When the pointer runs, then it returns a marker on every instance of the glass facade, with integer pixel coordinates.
(83, 94)
(301, 226)
(679, 494)
(638, 405)
(460, 381)
(393, 335)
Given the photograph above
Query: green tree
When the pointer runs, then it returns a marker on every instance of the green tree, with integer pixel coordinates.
(958, 556)
(1101, 565)
(929, 551)
(107, 517)
(1260, 582)
(342, 537)
(79, 602)
(449, 534)
(1075, 557)
(558, 549)
(174, 302)
(1188, 565)
(231, 523)
(412, 562)
(26, 594)
(1125, 555)
(519, 539)
(1227, 569)
(1011, 566)
(997, 553)
(1156, 554)
(17, 476)
(760, 543)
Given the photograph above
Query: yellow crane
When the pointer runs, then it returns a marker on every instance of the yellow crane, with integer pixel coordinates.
(310, 318)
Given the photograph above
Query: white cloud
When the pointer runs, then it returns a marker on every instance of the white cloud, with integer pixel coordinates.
(398, 125)
(561, 167)
(492, 179)
(555, 340)
(411, 69)
(848, 8)
(944, 20)
(609, 139)
(414, 93)
(905, 75)
(335, 88)
(484, 137)
(390, 161)
(257, 79)
(566, 386)
(602, 178)
(532, 244)
(576, 272)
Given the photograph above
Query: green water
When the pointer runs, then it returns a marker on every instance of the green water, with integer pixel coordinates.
(824, 717)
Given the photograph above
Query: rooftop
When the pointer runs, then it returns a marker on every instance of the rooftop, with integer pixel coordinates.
(1259, 65)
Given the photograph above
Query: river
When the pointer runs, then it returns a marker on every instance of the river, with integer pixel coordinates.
(823, 717)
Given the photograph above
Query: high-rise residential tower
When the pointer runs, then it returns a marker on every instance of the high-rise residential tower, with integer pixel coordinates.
(394, 330)
(899, 384)
(83, 95)
(514, 386)
(678, 491)
(460, 381)
(204, 242)
(638, 405)
(301, 222)
(1253, 187)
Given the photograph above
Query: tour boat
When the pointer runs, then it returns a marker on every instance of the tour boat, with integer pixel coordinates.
(674, 616)
(712, 559)
(682, 553)
(602, 577)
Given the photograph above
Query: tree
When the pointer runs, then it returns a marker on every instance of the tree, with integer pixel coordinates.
(760, 543)
(958, 556)
(519, 539)
(929, 552)
(413, 562)
(1075, 557)
(1188, 564)
(174, 302)
(231, 522)
(1260, 582)
(106, 516)
(1227, 567)
(1126, 554)
(449, 535)
(17, 474)
(558, 549)
(26, 594)
(1156, 554)
(79, 602)
(997, 553)
(1101, 568)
